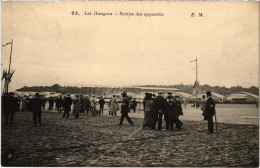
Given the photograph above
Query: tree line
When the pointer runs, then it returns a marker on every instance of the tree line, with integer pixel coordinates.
(184, 88)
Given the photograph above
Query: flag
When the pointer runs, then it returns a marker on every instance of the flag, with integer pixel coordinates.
(6, 44)
(193, 60)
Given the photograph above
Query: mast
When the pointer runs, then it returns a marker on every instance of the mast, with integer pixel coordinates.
(197, 80)
(8, 79)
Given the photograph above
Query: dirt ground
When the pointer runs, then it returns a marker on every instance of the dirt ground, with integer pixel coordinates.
(100, 141)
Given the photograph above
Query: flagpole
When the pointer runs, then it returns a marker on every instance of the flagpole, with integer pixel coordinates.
(196, 80)
(10, 61)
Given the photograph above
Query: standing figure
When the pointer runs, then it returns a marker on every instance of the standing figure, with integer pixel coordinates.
(43, 103)
(125, 109)
(101, 103)
(172, 114)
(51, 102)
(148, 118)
(58, 102)
(203, 105)
(10, 107)
(159, 107)
(113, 107)
(18, 103)
(76, 107)
(36, 109)
(133, 105)
(185, 103)
(85, 104)
(209, 111)
(180, 112)
(24, 101)
(67, 105)
(93, 103)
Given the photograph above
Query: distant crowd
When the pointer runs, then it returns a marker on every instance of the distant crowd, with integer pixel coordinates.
(156, 108)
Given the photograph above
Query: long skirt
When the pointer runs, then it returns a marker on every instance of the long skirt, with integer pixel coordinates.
(148, 119)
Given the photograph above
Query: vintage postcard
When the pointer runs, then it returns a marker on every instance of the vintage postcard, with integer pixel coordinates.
(129, 84)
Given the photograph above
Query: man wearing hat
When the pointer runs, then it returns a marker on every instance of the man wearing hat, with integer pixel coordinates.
(101, 104)
(209, 111)
(36, 109)
(159, 107)
(172, 113)
(67, 105)
(125, 109)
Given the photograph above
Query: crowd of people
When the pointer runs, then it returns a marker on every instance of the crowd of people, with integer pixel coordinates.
(156, 108)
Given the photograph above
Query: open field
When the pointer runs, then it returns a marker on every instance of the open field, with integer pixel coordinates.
(100, 141)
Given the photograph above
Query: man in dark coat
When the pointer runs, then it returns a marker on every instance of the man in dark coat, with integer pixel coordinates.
(36, 109)
(51, 102)
(133, 105)
(159, 107)
(125, 109)
(101, 104)
(59, 104)
(209, 111)
(172, 113)
(67, 105)
(10, 107)
(180, 112)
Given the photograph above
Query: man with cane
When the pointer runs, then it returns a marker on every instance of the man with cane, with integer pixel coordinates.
(210, 112)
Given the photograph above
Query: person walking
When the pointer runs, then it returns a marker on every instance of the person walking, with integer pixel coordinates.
(159, 107)
(113, 106)
(76, 107)
(101, 104)
(125, 109)
(36, 109)
(67, 106)
(209, 111)
(148, 118)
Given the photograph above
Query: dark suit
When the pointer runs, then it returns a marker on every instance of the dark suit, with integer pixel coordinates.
(101, 103)
(10, 108)
(159, 107)
(67, 106)
(36, 109)
(125, 110)
(209, 113)
(172, 113)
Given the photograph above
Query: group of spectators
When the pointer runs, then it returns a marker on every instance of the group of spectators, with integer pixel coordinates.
(155, 108)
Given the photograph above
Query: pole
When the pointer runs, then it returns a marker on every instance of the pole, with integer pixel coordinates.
(196, 81)
(10, 61)
(216, 121)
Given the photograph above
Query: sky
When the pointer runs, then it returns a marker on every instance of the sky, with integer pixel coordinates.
(52, 46)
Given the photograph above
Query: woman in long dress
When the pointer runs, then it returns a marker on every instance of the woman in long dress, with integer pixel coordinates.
(113, 105)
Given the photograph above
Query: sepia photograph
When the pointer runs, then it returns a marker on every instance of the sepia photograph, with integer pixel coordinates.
(129, 84)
